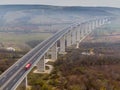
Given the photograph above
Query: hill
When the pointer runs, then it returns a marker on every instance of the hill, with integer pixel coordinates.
(30, 18)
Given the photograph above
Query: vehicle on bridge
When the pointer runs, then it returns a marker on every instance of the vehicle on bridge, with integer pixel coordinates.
(27, 66)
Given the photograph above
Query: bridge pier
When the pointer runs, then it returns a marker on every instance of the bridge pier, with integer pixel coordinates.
(54, 52)
(23, 85)
(47, 54)
(90, 28)
(68, 38)
(101, 22)
(78, 36)
(26, 82)
(62, 45)
(81, 33)
(41, 65)
(84, 29)
(92, 25)
(106, 21)
(96, 23)
(74, 37)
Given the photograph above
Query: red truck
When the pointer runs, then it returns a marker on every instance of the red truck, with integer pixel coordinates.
(27, 66)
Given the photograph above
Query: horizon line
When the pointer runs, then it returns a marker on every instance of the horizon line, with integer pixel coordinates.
(56, 5)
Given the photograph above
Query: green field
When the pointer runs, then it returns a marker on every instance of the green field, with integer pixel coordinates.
(18, 38)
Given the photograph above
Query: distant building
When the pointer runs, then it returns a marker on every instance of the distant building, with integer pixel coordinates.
(10, 49)
(85, 53)
(88, 53)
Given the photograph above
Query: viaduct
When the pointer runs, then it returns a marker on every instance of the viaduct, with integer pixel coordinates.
(72, 35)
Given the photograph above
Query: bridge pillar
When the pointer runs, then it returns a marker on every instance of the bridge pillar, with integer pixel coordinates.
(54, 52)
(97, 23)
(73, 37)
(93, 24)
(100, 23)
(47, 55)
(62, 45)
(26, 82)
(41, 65)
(68, 38)
(23, 85)
(90, 27)
(85, 29)
(81, 32)
(106, 20)
(78, 36)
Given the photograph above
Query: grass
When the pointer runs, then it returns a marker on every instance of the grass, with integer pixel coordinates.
(18, 38)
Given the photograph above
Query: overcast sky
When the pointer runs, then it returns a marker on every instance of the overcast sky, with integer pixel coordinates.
(112, 3)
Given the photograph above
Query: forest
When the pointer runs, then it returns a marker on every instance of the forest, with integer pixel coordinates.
(75, 71)
(7, 58)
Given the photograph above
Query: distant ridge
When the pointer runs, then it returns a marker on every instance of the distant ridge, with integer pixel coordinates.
(20, 6)
(30, 17)
(101, 10)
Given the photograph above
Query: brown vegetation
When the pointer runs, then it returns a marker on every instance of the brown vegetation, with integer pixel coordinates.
(7, 58)
(75, 71)
(89, 72)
